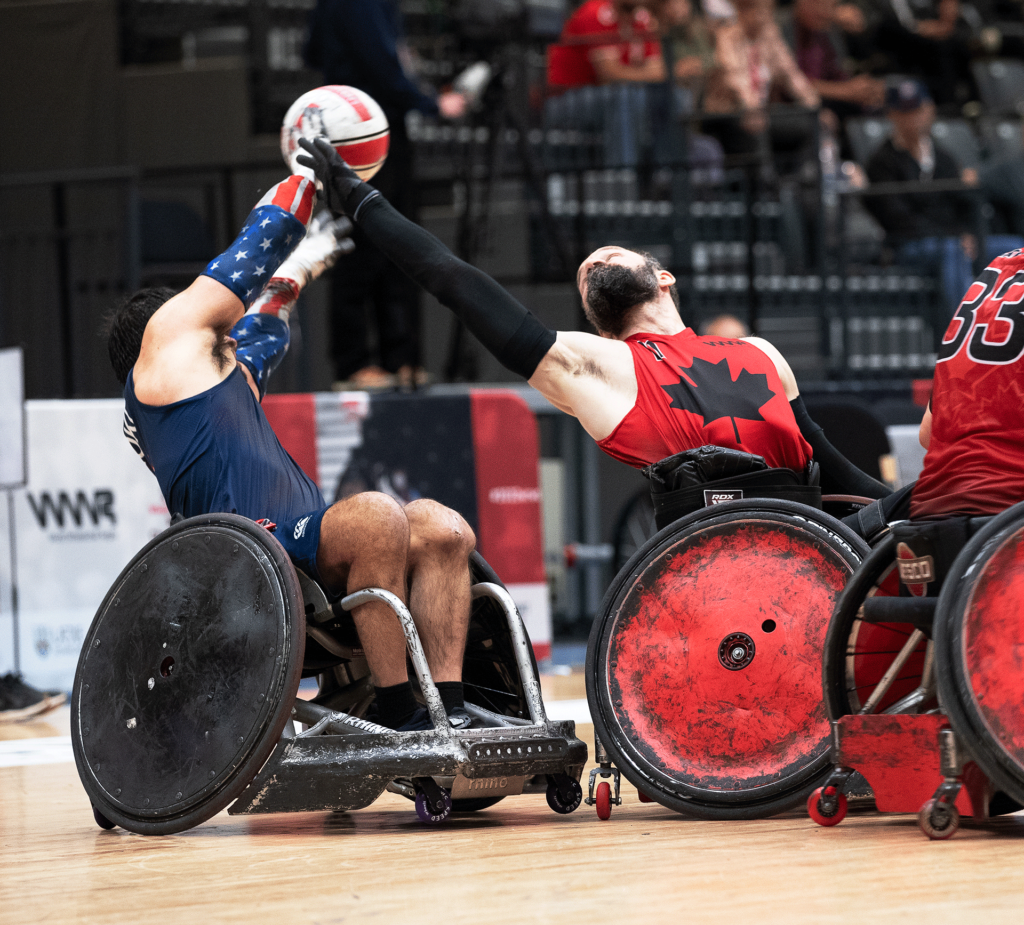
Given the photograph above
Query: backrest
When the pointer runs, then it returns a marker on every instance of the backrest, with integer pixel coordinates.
(785, 484)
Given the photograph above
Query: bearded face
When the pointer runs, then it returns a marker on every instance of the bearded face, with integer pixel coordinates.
(613, 291)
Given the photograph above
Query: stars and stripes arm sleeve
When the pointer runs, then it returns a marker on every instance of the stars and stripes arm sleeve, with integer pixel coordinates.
(263, 334)
(270, 234)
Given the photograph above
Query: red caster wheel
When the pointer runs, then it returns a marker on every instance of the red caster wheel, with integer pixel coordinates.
(603, 801)
(818, 813)
(938, 820)
(644, 798)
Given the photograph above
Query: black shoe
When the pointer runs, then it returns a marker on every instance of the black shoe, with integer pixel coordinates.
(19, 701)
(419, 720)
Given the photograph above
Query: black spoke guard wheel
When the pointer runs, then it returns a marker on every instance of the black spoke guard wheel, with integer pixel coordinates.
(704, 663)
(187, 675)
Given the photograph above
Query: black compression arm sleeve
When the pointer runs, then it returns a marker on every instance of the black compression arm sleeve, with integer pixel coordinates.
(839, 476)
(504, 326)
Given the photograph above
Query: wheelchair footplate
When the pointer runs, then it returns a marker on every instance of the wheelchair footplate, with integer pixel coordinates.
(341, 762)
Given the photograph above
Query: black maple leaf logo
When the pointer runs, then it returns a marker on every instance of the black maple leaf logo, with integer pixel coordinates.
(708, 389)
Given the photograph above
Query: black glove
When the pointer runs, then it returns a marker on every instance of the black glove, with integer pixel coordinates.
(343, 191)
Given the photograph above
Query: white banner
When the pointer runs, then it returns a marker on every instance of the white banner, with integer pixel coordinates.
(89, 505)
(12, 438)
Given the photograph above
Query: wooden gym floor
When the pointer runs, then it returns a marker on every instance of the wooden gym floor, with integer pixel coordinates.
(516, 862)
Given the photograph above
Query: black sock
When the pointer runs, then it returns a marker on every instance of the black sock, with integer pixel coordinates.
(395, 704)
(452, 695)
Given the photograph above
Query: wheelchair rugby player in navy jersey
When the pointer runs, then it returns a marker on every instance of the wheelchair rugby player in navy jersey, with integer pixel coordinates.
(195, 367)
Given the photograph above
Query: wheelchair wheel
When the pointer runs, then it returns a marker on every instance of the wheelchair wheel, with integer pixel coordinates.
(704, 663)
(857, 654)
(979, 635)
(187, 675)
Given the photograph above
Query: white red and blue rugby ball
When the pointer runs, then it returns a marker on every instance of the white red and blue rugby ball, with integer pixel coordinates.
(348, 118)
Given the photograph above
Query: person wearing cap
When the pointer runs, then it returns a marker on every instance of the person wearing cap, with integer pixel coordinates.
(932, 231)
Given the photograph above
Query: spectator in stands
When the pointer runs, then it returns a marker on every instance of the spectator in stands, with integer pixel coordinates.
(725, 326)
(357, 42)
(607, 41)
(929, 37)
(815, 39)
(931, 230)
(753, 63)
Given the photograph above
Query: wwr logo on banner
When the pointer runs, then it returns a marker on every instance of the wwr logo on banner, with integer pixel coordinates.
(63, 511)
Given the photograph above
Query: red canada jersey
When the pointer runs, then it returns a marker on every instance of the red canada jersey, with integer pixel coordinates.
(694, 391)
(975, 462)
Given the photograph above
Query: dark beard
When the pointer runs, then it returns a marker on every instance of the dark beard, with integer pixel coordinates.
(614, 290)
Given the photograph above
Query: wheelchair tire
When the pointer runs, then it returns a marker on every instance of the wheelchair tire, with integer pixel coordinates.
(857, 654)
(704, 662)
(187, 675)
(979, 633)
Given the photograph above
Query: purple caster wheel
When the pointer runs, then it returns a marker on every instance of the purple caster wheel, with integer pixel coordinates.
(427, 813)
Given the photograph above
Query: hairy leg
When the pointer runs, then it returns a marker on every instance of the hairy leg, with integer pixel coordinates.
(364, 543)
(439, 546)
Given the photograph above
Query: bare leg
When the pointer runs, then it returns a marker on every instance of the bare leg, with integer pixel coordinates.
(439, 547)
(364, 543)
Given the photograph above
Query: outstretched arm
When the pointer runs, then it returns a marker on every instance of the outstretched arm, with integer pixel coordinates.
(180, 354)
(505, 327)
(587, 376)
(263, 334)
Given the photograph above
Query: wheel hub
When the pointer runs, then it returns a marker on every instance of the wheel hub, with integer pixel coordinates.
(736, 651)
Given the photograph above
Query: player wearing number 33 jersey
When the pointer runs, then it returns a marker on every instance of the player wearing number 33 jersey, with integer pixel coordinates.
(975, 459)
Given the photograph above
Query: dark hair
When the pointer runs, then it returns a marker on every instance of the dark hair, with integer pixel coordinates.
(126, 325)
(613, 291)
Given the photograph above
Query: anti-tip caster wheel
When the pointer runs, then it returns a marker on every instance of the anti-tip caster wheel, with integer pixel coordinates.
(603, 801)
(429, 813)
(564, 794)
(818, 812)
(938, 820)
(102, 821)
(644, 798)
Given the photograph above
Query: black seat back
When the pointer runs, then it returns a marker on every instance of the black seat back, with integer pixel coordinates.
(710, 475)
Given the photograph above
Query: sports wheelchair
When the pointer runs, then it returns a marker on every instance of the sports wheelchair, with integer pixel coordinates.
(704, 662)
(184, 700)
(923, 674)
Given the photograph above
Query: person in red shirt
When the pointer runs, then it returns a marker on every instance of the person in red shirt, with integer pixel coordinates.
(973, 428)
(645, 386)
(606, 41)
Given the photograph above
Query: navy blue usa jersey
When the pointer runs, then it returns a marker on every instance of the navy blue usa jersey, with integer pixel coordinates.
(216, 453)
